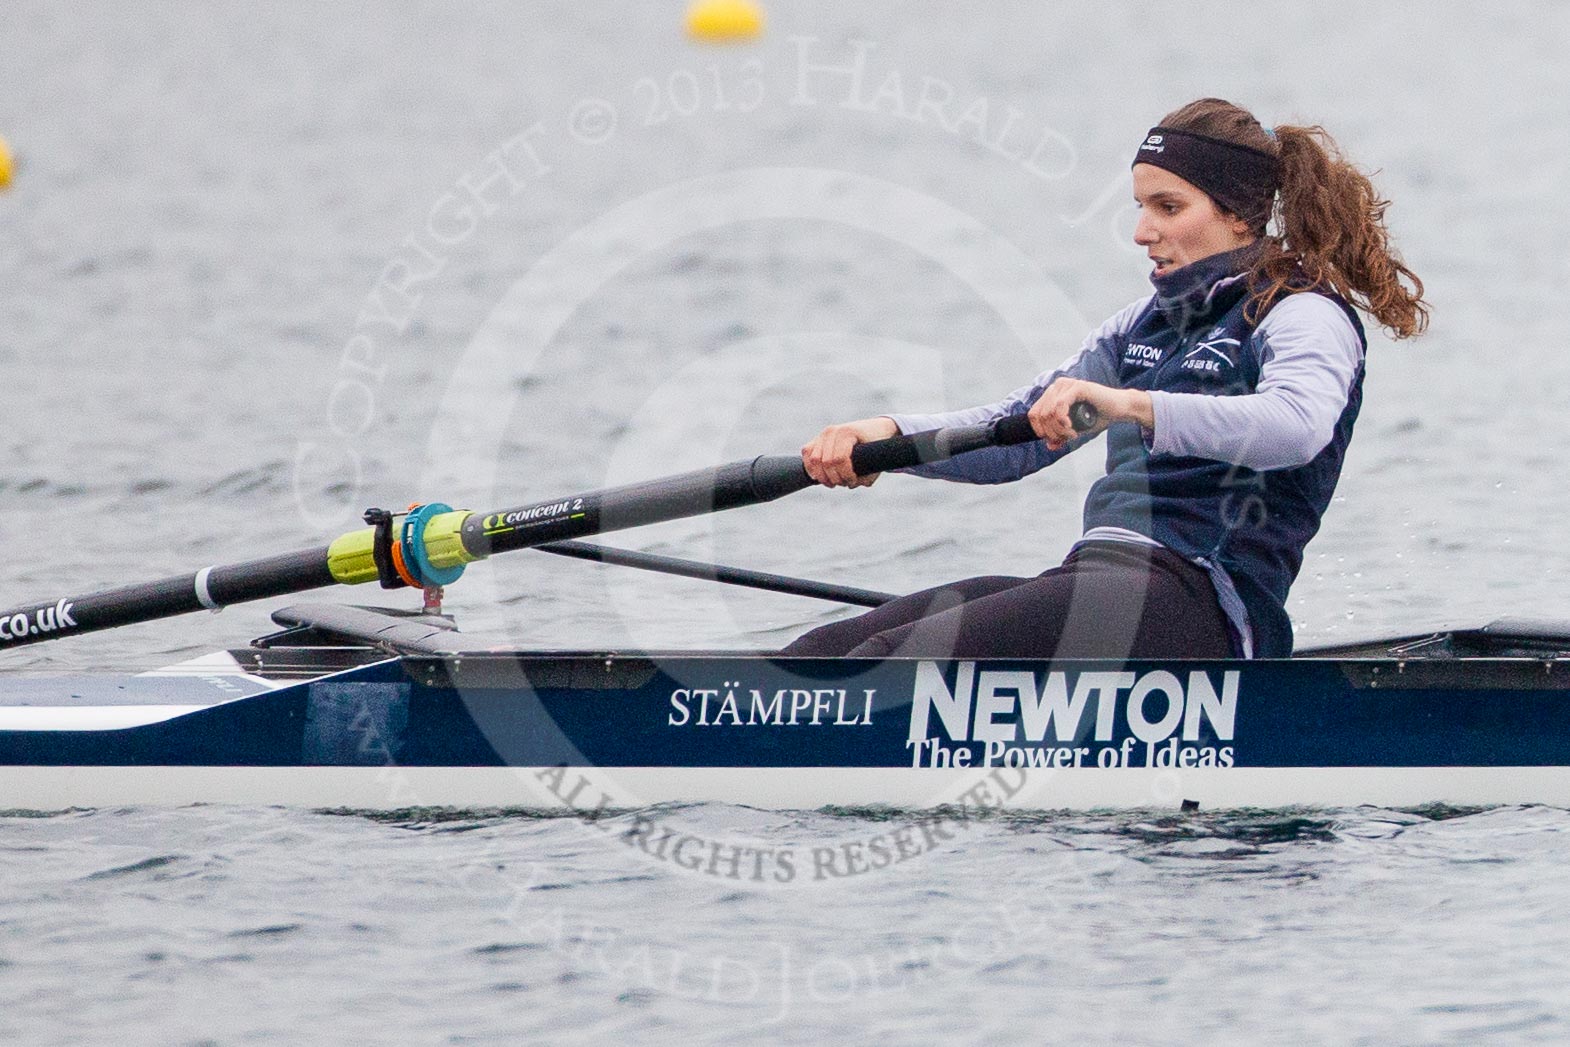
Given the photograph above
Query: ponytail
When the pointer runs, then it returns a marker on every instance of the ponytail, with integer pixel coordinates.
(1333, 234)
(1330, 221)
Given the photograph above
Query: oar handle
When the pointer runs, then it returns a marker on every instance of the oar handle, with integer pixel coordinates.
(902, 452)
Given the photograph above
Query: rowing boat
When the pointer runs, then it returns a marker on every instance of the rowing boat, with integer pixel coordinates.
(376, 707)
(367, 708)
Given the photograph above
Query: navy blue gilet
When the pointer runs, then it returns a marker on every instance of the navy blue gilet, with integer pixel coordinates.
(1193, 338)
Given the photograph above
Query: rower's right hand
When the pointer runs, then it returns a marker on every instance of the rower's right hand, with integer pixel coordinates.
(827, 456)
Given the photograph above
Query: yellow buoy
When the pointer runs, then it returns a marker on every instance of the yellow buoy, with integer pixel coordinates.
(5, 164)
(721, 21)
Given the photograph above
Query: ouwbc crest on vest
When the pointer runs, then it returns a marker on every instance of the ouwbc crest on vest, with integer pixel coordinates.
(1194, 338)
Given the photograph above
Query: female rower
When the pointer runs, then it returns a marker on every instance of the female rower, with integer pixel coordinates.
(1228, 398)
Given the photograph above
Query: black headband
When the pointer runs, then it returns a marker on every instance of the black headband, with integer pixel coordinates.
(1241, 179)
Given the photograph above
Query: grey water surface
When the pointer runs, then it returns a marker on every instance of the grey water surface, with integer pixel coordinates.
(267, 265)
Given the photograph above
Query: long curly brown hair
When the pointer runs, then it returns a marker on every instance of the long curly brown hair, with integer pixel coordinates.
(1330, 221)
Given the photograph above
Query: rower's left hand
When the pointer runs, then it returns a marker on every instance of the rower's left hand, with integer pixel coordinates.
(1049, 416)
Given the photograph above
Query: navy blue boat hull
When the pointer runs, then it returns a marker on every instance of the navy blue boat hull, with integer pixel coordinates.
(784, 732)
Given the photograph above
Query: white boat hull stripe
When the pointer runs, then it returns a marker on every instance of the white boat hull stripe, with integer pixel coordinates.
(382, 788)
(88, 717)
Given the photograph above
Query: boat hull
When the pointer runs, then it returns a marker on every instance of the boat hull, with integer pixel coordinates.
(592, 733)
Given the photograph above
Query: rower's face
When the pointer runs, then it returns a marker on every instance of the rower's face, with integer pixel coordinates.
(1179, 223)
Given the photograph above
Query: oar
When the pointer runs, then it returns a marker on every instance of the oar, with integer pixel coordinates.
(436, 546)
(713, 572)
(1082, 415)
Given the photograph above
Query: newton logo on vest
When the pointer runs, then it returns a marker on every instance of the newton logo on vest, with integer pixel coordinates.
(1141, 355)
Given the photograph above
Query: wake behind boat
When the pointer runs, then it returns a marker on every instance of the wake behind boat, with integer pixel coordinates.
(368, 707)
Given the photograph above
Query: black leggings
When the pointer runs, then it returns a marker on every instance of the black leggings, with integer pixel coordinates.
(1108, 600)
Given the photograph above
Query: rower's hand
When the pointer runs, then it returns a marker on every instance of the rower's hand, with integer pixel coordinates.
(827, 456)
(1049, 416)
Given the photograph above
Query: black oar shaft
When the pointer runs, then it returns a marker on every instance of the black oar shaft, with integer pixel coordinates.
(704, 491)
(634, 505)
(145, 601)
(775, 583)
(479, 535)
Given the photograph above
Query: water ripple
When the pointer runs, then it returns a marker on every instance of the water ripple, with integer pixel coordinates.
(145, 865)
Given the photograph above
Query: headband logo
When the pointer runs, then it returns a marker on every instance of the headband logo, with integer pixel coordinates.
(1153, 145)
(1154, 139)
